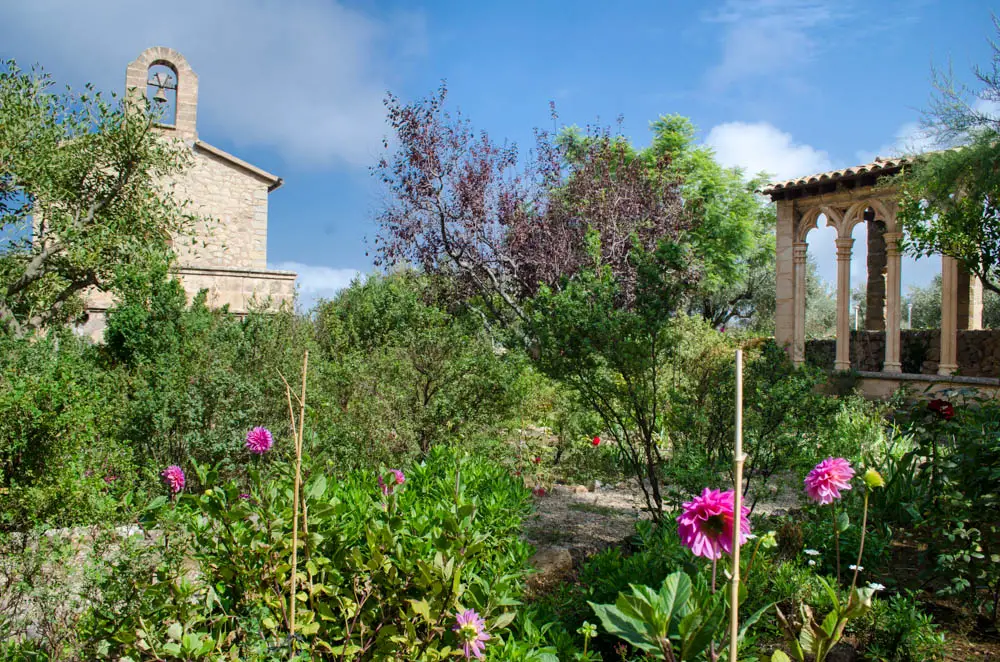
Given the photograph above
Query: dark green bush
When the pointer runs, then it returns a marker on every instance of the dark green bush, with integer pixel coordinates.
(61, 460)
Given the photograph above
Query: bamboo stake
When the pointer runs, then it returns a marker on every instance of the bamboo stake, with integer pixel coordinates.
(738, 458)
(295, 496)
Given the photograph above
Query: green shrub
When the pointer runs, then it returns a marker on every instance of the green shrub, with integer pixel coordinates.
(61, 462)
(380, 576)
(402, 373)
(945, 482)
(897, 631)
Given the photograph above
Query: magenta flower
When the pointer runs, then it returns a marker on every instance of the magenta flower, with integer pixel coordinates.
(706, 524)
(173, 476)
(824, 482)
(259, 440)
(397, 479)
(471, 629)
(245, 496)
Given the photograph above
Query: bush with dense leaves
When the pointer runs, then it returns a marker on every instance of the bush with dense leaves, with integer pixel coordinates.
(381, 575)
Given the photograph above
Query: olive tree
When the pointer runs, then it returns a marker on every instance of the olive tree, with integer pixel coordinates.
(82, 200)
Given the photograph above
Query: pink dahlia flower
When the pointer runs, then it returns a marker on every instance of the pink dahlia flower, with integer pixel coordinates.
(471, 629)
(173, 476)
(706, 524)
(824, 482)
(259, 440)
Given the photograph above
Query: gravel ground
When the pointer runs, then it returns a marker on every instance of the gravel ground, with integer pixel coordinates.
(586, 521)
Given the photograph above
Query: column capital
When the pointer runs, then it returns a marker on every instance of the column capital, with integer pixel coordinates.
(844, 247)
(892, 242)
(799, 251)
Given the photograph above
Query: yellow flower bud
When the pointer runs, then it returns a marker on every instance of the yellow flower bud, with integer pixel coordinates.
(873, 479)
(208, 492)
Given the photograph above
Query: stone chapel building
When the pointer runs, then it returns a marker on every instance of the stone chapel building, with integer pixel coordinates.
(227, 253)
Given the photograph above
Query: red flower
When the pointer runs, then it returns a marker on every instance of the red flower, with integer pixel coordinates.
(596, 441)
(537, 459)
(942, 408)
(538, 491)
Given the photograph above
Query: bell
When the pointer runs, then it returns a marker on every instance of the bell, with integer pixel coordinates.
(160, 97)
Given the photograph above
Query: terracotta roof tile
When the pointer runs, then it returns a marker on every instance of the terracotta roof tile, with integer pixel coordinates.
(878, 165)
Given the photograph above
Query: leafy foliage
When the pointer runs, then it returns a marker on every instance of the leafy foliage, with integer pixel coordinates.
(79, 197)
(383, 576)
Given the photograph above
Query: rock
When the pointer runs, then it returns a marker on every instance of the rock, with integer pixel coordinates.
(842, 652)
(595, 485)
(561, 489)
(579, 489)
(551, 563)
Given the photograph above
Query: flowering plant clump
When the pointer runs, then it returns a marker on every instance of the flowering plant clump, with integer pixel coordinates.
(471, 629)
(173, 476)
(828, 478)
(944, 409)
(706, 524)
(259, 440)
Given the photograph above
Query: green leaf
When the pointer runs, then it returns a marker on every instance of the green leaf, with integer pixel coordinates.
(503, 620)
(619, 625)
(175, 631)
(421, 608)
(675, 592)
(780, 656)
(318, 488)
(843, 521)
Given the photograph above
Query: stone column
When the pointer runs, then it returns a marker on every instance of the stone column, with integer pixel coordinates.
(949, 316)
(844, 247)
(893, 309)
(784, 314)
(976, 304)
(876, 286)
(970, 300)
(800, 249)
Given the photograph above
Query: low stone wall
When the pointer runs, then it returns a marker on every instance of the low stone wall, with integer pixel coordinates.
(978, 352)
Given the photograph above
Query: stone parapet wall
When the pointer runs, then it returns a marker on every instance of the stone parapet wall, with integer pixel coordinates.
(978, 352)
(240, 289)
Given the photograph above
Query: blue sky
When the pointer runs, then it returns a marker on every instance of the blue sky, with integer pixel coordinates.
(295, 87)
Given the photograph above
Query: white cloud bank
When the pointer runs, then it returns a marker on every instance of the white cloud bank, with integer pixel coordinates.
(760, 146)
(305, 77)
(316, 282)
(764, 38)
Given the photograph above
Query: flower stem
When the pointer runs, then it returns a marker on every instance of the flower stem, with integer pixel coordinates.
(836, 538)
(861, 549)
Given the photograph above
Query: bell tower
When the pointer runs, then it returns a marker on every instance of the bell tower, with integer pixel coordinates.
(165, 77)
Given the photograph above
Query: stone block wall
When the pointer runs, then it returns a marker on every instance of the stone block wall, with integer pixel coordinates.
(978, 352)
(232, 205)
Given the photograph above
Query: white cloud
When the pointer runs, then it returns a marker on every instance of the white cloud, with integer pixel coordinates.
(305, 77)
(766, 38)
(910, 138)
(316, 282)
(759, 146)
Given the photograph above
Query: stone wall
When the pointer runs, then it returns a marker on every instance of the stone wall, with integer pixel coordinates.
(978, 352)
(237, 288)
(232, 204)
